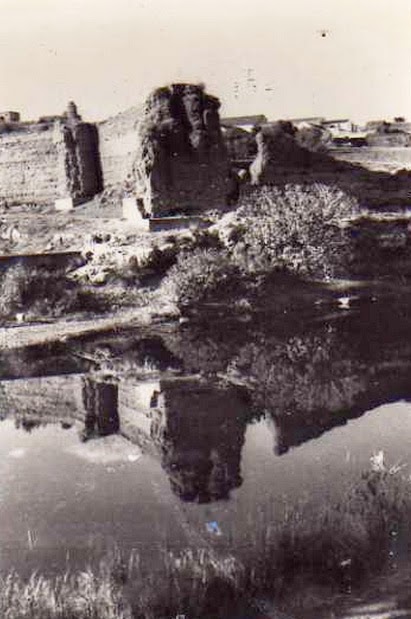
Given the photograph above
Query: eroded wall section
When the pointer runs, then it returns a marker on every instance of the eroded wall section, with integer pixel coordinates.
(40, 162)
(118, 139)
(29, 162)
(169, 152)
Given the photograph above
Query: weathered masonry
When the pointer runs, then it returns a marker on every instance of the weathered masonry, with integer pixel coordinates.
(55, 157)
(169, 154)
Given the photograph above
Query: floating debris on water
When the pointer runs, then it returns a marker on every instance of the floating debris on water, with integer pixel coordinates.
(212, 527)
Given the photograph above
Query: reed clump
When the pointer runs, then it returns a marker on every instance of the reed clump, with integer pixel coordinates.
(336, 545)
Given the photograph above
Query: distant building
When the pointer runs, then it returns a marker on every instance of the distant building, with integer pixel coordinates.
(406, 127)
(334, 126)
(10, 117)
(342, 124)
(401, 124)
(244, 122)
(50, 119)
(358, 138)
(307, 120)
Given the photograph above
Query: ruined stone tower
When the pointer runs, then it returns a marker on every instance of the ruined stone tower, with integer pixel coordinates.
(169, 152)
(79, 160)
(181, 163)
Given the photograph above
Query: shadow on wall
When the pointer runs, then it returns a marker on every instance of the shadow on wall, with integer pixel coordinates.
(94, 153)
(82, 161)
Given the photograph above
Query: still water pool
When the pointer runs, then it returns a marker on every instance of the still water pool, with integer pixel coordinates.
(200, 437)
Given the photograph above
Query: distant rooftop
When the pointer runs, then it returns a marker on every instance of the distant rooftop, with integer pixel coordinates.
(336, 121)
(71, 115)
(317, 120)
(10, 117)
(239, 121)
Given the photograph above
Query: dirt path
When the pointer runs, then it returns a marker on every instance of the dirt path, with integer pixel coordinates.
(29, 335)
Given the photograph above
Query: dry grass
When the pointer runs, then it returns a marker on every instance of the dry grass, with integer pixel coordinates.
(334, 546)
(193, 583)
(88, 594)
(337, 545)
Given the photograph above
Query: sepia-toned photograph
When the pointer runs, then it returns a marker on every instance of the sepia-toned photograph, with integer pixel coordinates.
(205, 328)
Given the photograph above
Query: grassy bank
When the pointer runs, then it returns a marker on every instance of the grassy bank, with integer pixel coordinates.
(331, 546)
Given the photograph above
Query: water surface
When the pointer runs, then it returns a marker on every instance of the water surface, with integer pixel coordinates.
(141, 440)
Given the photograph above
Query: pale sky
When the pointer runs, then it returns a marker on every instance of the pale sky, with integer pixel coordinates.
(257, 56)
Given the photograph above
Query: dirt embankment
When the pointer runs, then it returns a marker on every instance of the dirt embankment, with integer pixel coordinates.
(114, 252)
(31, 335)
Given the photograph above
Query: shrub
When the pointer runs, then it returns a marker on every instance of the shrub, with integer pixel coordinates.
(297, 229)
(203, 275)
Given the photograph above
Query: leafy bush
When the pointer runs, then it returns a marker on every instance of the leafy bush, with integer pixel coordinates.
(203, 275)
(297, 229)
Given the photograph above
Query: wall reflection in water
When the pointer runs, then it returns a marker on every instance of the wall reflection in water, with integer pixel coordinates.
(100, 400)
(304, 379)
(200, 428)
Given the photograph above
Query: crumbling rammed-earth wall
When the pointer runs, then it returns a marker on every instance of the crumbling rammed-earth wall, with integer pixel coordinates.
(81, 173)
(278, 152)
(169, 153)
(40, 162)
(29, 161)
(118, 138)
(182, 163)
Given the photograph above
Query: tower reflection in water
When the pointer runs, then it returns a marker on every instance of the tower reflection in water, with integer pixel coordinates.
(100, 401)
(200, 428)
